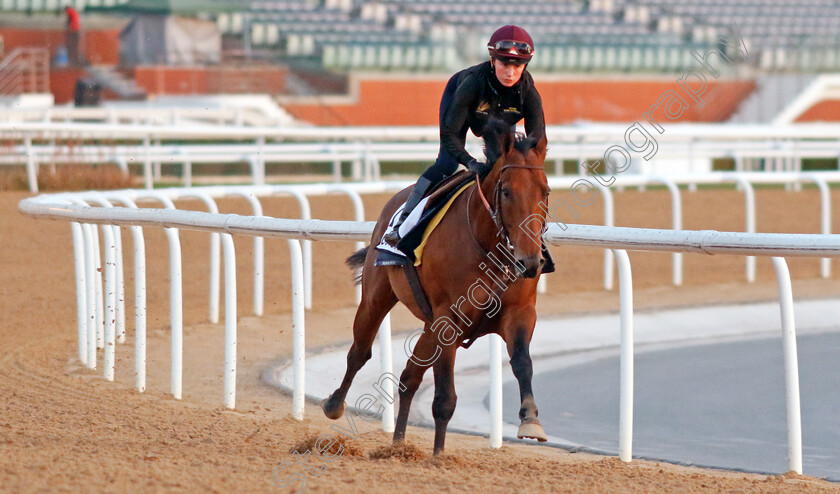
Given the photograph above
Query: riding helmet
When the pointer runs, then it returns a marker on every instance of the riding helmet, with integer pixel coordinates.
(511, 44)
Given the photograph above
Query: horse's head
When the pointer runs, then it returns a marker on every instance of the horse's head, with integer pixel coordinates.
(516, 188)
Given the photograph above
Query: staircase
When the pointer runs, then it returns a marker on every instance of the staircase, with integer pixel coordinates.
(25, 70)
(110, 78)
(773, 93)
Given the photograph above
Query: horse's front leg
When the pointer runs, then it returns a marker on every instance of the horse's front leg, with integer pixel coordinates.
(518, 334)
(443, 405)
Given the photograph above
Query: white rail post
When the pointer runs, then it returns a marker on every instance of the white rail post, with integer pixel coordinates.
(676, 224)
(81, 289)
(156, 164)
(176, 316)
(825, 216)
(749, 200)
(298, 329)
(31, 165)
(356, 168)
(305, 214)
(215, 256)
(120, 285)
(359, 215)
(147, 163)
(187, 163)
(230, 321)
(110, 303)
(139, 298)
(90, 268)
(98, 288)
(794, 420)
(609, 220)
(114, 319)
(495, 391)
(139, 308)
(542, 285)
(260, 178)
(625, 421)
(336, 165)
(386, 365)
(259, 253)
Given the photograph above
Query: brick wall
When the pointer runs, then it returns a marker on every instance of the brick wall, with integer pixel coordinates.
(101, 47)
(415, 101)
(160, 79)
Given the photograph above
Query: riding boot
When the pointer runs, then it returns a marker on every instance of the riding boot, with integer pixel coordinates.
(548, 265)
(422, 186)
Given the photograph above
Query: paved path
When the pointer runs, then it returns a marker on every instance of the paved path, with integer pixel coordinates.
(568, 343)
(720, 405)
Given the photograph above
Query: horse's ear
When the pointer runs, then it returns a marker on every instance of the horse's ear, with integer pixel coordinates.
(498, 140)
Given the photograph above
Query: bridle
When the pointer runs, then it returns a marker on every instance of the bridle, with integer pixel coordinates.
(496, 210)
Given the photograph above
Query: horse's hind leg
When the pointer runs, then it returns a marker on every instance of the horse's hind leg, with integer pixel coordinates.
(377, 300)
(425, 353)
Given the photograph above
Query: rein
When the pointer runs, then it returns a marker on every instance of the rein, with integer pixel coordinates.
(495, 212)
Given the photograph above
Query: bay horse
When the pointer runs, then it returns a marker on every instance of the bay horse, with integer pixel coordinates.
(479, 269)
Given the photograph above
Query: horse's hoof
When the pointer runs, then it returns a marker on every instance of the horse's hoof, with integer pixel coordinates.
(532, 430)
(333, 413)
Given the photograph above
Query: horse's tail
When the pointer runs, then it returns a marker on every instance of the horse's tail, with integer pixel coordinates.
(356, 262)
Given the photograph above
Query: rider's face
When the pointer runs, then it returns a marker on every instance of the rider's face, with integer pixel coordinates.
(508, 74)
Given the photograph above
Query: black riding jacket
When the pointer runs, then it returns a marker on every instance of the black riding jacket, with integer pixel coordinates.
(478, 96)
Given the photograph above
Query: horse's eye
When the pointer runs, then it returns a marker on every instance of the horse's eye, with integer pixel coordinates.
(506, 192)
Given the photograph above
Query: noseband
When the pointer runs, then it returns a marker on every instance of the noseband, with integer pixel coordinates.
(496, 211)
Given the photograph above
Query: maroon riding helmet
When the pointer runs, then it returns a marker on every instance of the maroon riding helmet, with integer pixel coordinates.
(511, 44)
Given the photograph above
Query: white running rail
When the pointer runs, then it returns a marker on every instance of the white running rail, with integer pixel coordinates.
(92, 304)
(692, 146)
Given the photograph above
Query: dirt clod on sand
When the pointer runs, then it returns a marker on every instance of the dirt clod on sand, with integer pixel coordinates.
(332, 445)
(404, 450)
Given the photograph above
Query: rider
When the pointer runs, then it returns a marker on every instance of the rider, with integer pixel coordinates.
(500, 88)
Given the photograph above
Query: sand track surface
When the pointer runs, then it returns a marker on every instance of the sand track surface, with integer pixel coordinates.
(64, 429)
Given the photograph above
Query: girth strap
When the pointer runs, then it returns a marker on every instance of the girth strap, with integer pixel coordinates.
(417, 291)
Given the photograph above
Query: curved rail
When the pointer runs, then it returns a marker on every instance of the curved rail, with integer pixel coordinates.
(73, 208)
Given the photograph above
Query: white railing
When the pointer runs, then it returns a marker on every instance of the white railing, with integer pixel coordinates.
(25, 70)
(354, 191)
(688, 147)
(101, 316)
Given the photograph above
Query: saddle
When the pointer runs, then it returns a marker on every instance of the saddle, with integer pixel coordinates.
(431, 205)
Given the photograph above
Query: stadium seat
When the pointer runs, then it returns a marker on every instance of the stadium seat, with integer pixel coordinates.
(258, 34)
(272, 35)
(329, 57)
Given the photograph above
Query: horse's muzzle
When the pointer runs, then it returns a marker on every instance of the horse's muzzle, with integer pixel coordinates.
(530, 267)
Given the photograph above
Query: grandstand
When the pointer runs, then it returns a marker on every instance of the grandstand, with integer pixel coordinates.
(576, 35)
(327, 44)
(606, 35)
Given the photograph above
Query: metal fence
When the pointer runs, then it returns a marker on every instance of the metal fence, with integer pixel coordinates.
(680, 148)
(100, 290)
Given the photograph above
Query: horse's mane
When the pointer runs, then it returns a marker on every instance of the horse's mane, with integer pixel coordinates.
(494, 134)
